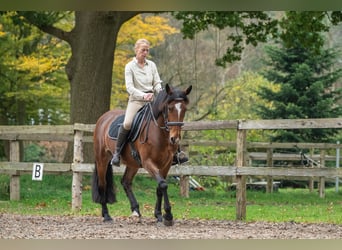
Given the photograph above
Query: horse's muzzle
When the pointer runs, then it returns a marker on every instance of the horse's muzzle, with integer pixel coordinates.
(176, 137)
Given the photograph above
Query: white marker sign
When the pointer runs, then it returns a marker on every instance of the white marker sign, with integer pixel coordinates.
(37, 172)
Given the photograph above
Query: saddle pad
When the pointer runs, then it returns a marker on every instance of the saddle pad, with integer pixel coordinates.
(135, 129)
(114, 127)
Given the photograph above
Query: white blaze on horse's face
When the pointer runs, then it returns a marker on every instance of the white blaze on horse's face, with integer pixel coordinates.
(176, 114)
(178, 107)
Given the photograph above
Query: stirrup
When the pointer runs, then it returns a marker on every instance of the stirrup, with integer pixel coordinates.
(115, 160)
(179, 158)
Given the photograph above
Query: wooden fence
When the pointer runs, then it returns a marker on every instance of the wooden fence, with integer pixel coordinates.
(240, 171)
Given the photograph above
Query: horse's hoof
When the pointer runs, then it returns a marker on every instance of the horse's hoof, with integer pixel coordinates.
(168, 223)
(107, 219)
(136, 217)
(160, 224)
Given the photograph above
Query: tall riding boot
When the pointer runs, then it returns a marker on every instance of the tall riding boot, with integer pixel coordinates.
(179, 157)
(119, 145)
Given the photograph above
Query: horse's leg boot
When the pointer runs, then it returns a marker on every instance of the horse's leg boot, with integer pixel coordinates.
(119, 145)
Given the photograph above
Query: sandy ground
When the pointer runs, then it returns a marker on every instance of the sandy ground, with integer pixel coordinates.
(90, 227)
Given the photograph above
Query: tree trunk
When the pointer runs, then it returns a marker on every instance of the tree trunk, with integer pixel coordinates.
(90, 67)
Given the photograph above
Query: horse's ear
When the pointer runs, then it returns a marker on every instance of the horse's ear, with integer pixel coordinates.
(188, 90)
(168, 89)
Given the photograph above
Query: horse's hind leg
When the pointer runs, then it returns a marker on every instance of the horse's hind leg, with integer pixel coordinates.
(103, 189)
(126, 182)
(105, 213)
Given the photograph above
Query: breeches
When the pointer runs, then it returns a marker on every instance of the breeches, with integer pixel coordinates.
(132, 109)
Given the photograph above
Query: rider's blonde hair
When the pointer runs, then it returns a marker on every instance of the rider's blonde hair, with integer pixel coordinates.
(141, 42)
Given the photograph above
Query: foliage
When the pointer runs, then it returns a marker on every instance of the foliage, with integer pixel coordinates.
(305, 28)
(240, 95)
(34, 153)
(34, 89)
(40, 18)
(251, 28)
(211, 156)
(235, 101)
(155, 29)
(305, 75)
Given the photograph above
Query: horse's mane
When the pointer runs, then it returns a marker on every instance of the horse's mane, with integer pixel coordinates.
(163, 98)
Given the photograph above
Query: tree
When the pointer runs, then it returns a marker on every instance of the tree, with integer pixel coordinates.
(250, 27)
(92, 40)
(253, 27)
(33, 90)
(303, 69)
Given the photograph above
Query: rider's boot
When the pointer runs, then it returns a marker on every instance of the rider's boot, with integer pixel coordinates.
(179, 157)
(122, 136)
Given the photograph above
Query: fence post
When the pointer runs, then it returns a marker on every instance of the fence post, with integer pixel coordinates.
(337, 166)
(184, 185)
(269, 186)
(15, 178)
(241, 152)
(77, 176)
(184, 180)
(311, 179)
(321, 178)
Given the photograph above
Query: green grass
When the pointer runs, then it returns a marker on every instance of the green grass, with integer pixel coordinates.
(52, 196)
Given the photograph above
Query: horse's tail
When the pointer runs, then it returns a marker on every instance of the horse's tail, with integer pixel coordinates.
(103, 193)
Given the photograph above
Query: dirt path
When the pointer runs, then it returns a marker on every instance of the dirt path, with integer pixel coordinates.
(90, 227)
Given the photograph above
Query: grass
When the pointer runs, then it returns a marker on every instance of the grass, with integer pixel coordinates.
(52, 196)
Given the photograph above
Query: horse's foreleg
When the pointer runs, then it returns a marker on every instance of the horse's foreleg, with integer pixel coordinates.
(157, 209)
(162, 192)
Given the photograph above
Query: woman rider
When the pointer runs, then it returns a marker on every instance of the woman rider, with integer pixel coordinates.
(142, 83)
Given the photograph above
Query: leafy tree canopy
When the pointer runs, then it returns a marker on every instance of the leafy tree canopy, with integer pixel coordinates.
(251, 28)
(255, 27)
(34, 88)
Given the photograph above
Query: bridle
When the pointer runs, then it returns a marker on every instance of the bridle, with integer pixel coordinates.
(165, 114)
(150, 116)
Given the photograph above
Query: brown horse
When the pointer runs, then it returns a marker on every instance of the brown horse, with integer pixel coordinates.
(158, 140)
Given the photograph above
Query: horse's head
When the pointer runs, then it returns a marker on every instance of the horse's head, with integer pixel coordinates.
(173, 108)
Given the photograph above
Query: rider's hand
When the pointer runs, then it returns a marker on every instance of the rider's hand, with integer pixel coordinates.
(148, 96)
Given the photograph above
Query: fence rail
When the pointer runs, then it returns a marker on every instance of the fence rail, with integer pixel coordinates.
(241, 169)
(69, 168)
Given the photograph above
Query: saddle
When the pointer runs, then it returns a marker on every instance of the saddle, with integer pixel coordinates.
(134, 132)
(136, 125)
